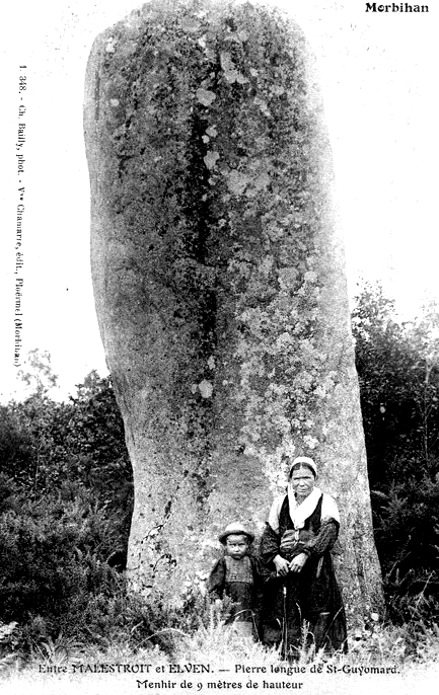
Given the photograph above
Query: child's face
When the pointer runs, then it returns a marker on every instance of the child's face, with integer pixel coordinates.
(236, 546)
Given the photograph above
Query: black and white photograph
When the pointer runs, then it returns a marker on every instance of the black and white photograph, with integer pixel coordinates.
(219, 364)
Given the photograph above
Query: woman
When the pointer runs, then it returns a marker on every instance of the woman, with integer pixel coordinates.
(300, 585)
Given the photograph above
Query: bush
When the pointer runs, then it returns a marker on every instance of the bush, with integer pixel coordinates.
(52, 550)
(57, 584)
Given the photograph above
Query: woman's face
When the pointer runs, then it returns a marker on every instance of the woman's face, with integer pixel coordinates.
(302, 481)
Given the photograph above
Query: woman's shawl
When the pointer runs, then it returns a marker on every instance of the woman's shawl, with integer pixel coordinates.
(300, 512)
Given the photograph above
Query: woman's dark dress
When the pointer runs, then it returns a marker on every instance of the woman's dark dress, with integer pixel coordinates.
(311, 595)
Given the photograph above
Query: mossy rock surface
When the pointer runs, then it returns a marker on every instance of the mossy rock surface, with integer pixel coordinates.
(219, 277)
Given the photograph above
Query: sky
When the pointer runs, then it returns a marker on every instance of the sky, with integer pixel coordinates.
(378, 73)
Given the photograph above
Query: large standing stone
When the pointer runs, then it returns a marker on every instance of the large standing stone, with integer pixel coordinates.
(219, 280)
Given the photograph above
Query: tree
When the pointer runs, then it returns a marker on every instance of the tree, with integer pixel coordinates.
(384, 360)
(94, 440)
(37, 373)
(48, 445)
(425, 339)
(66, 501)
(399, 385)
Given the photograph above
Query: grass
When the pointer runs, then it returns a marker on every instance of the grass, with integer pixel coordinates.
(215, 657)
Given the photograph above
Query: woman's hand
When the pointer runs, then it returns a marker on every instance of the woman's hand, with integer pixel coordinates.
(298, 562)
(282, 566)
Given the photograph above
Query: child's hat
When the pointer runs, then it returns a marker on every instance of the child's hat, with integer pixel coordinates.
(235, 528)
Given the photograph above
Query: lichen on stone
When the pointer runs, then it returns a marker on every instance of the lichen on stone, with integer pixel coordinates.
(214, 266)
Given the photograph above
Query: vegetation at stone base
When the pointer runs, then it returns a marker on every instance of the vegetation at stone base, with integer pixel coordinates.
(66, 498)
(218, 646)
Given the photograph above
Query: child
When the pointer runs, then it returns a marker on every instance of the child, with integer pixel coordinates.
(236, 575)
